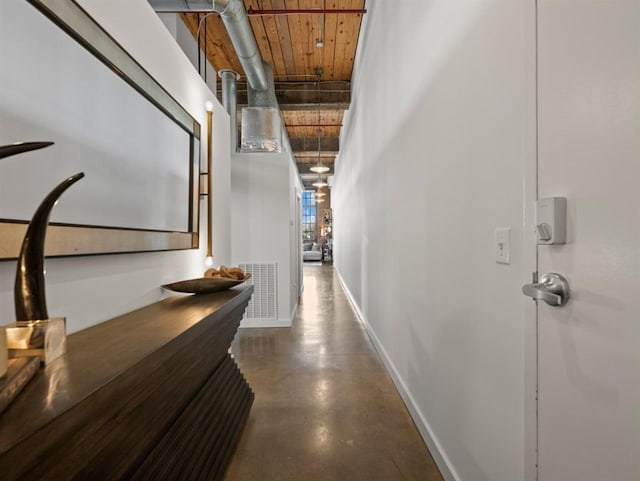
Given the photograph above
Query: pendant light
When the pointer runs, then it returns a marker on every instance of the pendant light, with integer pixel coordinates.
(319, 168)
(320, 182)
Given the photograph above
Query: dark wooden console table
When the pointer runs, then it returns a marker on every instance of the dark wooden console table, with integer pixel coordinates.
(150, 395)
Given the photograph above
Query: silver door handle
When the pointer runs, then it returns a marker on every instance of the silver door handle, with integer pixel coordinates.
(552, 289)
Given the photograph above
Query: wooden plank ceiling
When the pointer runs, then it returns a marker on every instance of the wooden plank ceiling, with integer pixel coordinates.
(312, 83)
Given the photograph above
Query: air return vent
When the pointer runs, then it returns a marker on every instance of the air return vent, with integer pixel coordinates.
(263, 305)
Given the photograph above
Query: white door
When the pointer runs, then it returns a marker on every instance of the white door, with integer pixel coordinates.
(589, 152)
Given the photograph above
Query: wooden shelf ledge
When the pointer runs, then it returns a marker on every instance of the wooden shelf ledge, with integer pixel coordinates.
(103, 410)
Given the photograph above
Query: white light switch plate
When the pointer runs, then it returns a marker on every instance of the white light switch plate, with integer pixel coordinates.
(503, 246)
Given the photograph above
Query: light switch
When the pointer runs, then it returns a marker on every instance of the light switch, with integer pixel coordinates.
(503, 246)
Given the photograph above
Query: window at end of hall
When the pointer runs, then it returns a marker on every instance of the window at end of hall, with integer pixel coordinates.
(309, 216)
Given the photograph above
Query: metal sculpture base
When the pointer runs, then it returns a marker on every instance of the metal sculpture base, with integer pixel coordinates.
(46, 339)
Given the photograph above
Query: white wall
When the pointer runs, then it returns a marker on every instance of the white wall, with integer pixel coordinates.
(88, 290)
(263, 189)
(431, 163)
(188, 44)
(295, 237)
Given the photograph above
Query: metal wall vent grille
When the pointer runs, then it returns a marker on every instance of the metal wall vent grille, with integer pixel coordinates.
(264, 301)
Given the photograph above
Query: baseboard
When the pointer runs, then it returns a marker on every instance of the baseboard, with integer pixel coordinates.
(438, 454)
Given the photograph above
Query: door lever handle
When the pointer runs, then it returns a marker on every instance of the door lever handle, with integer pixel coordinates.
(552, 289)
(540, 293)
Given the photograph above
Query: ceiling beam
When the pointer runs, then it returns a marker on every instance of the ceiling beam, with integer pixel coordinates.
(307, 157)
(292, 107)
(325, 154)
(332, 95)
(299, 11)
(252, 12)
(313, 125)
(313, 174)
(310, 144)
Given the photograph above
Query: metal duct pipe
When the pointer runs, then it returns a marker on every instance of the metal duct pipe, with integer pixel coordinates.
(265, 97)
(175, 6)
(230, 102)
(236, 21)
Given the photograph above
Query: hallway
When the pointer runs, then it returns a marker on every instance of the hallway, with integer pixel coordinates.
(325, 408)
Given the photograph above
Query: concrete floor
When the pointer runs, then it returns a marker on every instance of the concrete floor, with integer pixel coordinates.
(325, 408)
